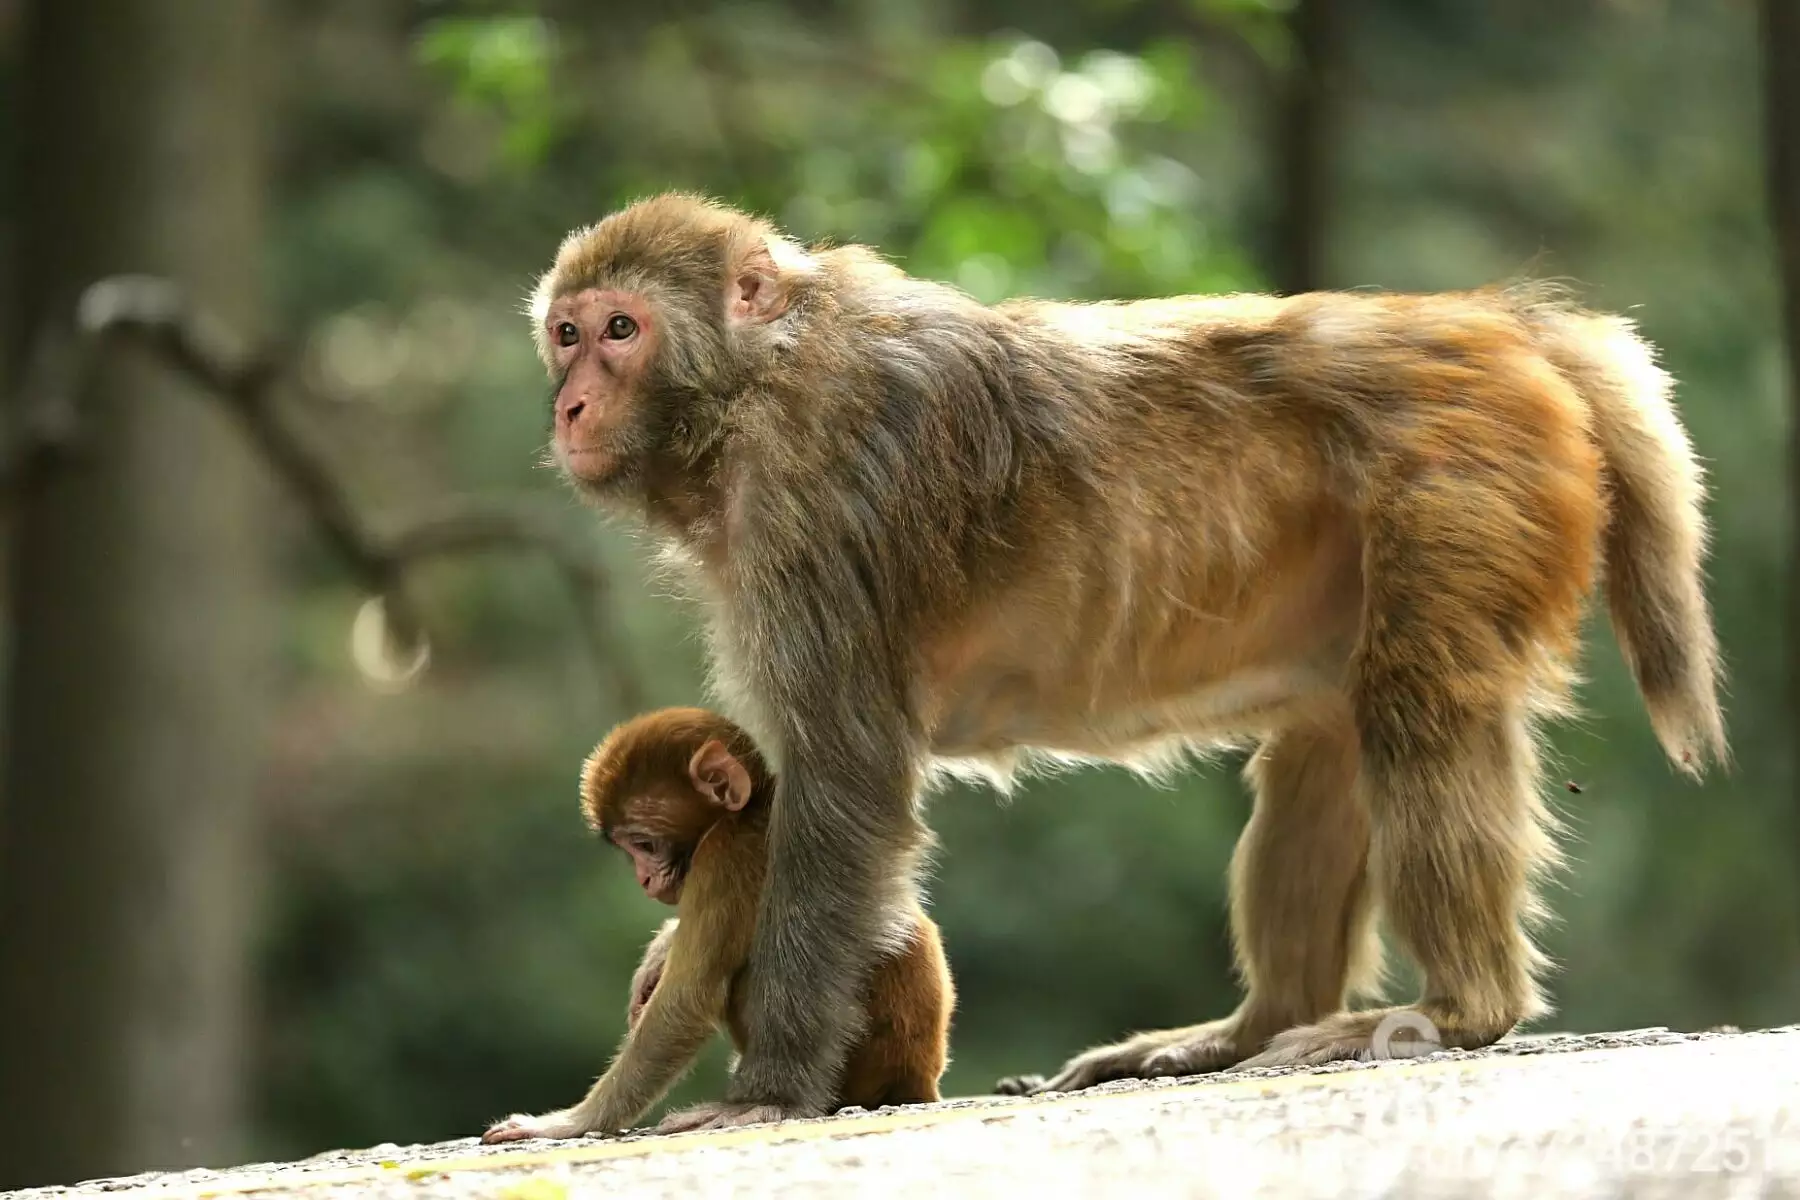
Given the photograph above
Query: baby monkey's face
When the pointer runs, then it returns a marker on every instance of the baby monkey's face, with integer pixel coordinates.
(658, 784)
(660, 863)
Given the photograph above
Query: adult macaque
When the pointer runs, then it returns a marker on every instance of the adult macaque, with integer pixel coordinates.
(1356, 529)
(684, 792)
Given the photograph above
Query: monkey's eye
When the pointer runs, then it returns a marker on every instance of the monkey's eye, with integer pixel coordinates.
(642, 845)
(567, 334)
(620, 327)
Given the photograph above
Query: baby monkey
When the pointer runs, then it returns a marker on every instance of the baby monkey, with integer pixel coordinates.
(685, 793)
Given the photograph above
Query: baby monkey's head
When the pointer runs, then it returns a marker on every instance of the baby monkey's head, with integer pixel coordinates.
(660, 781)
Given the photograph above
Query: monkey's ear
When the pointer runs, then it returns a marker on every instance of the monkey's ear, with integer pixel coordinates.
(720, 777)
(755, 293)
(759, 290)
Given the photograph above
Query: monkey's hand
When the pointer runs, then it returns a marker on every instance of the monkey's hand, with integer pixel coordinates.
(519, 1127)
(727, 1115)
(641, 989)
(650, 971)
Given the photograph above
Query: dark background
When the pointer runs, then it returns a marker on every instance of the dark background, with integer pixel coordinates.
(257, 898)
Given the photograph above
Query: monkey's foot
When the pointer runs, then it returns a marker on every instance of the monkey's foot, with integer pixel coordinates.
(728, 1115)
(1377, 1034)
(1018, 1085)
(1193, 1050)
(519, 1127)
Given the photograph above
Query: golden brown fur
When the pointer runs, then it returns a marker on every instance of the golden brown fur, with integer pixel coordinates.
(644, 777)
(1356, 529)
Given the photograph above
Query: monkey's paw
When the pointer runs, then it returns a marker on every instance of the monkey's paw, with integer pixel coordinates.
(728, 1116)
(1377, 1034)
(1194, 1050)
(1018, 1085)
(520, 1127)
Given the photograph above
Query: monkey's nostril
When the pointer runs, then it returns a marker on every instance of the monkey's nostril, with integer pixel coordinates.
(573, 411)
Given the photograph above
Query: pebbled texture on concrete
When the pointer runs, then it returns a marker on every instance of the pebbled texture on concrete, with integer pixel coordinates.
(1645, 1113)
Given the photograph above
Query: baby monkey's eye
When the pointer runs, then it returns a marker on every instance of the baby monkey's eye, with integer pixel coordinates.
(567, 334)
(620, 327)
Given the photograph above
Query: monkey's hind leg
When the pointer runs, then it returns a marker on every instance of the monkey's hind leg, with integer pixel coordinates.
(1301, 916)
(1477, 560)
(1460, 831)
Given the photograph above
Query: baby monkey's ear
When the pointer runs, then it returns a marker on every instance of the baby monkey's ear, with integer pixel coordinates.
(719, 776)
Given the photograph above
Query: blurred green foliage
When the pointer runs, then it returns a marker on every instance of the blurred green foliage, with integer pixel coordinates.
(501, 64)
(447, 943)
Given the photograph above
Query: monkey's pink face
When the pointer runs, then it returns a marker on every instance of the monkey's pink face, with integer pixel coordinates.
(660, 872)
(602, 343)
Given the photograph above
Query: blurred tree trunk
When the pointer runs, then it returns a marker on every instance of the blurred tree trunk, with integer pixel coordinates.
(138, 604)
(1306, 136)
(1781, 125)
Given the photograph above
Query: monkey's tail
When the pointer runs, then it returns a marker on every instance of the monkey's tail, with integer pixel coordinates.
(1655, 541)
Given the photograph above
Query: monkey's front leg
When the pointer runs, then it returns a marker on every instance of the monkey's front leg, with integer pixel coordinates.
(613, 1104)
(842, 848)
(670, 1032)
(795, 1031)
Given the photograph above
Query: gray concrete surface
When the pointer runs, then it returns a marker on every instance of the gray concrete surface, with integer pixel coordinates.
(1646, 1113)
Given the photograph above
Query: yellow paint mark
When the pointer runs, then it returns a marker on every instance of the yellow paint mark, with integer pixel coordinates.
(595, 1151)
(535, 1189)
